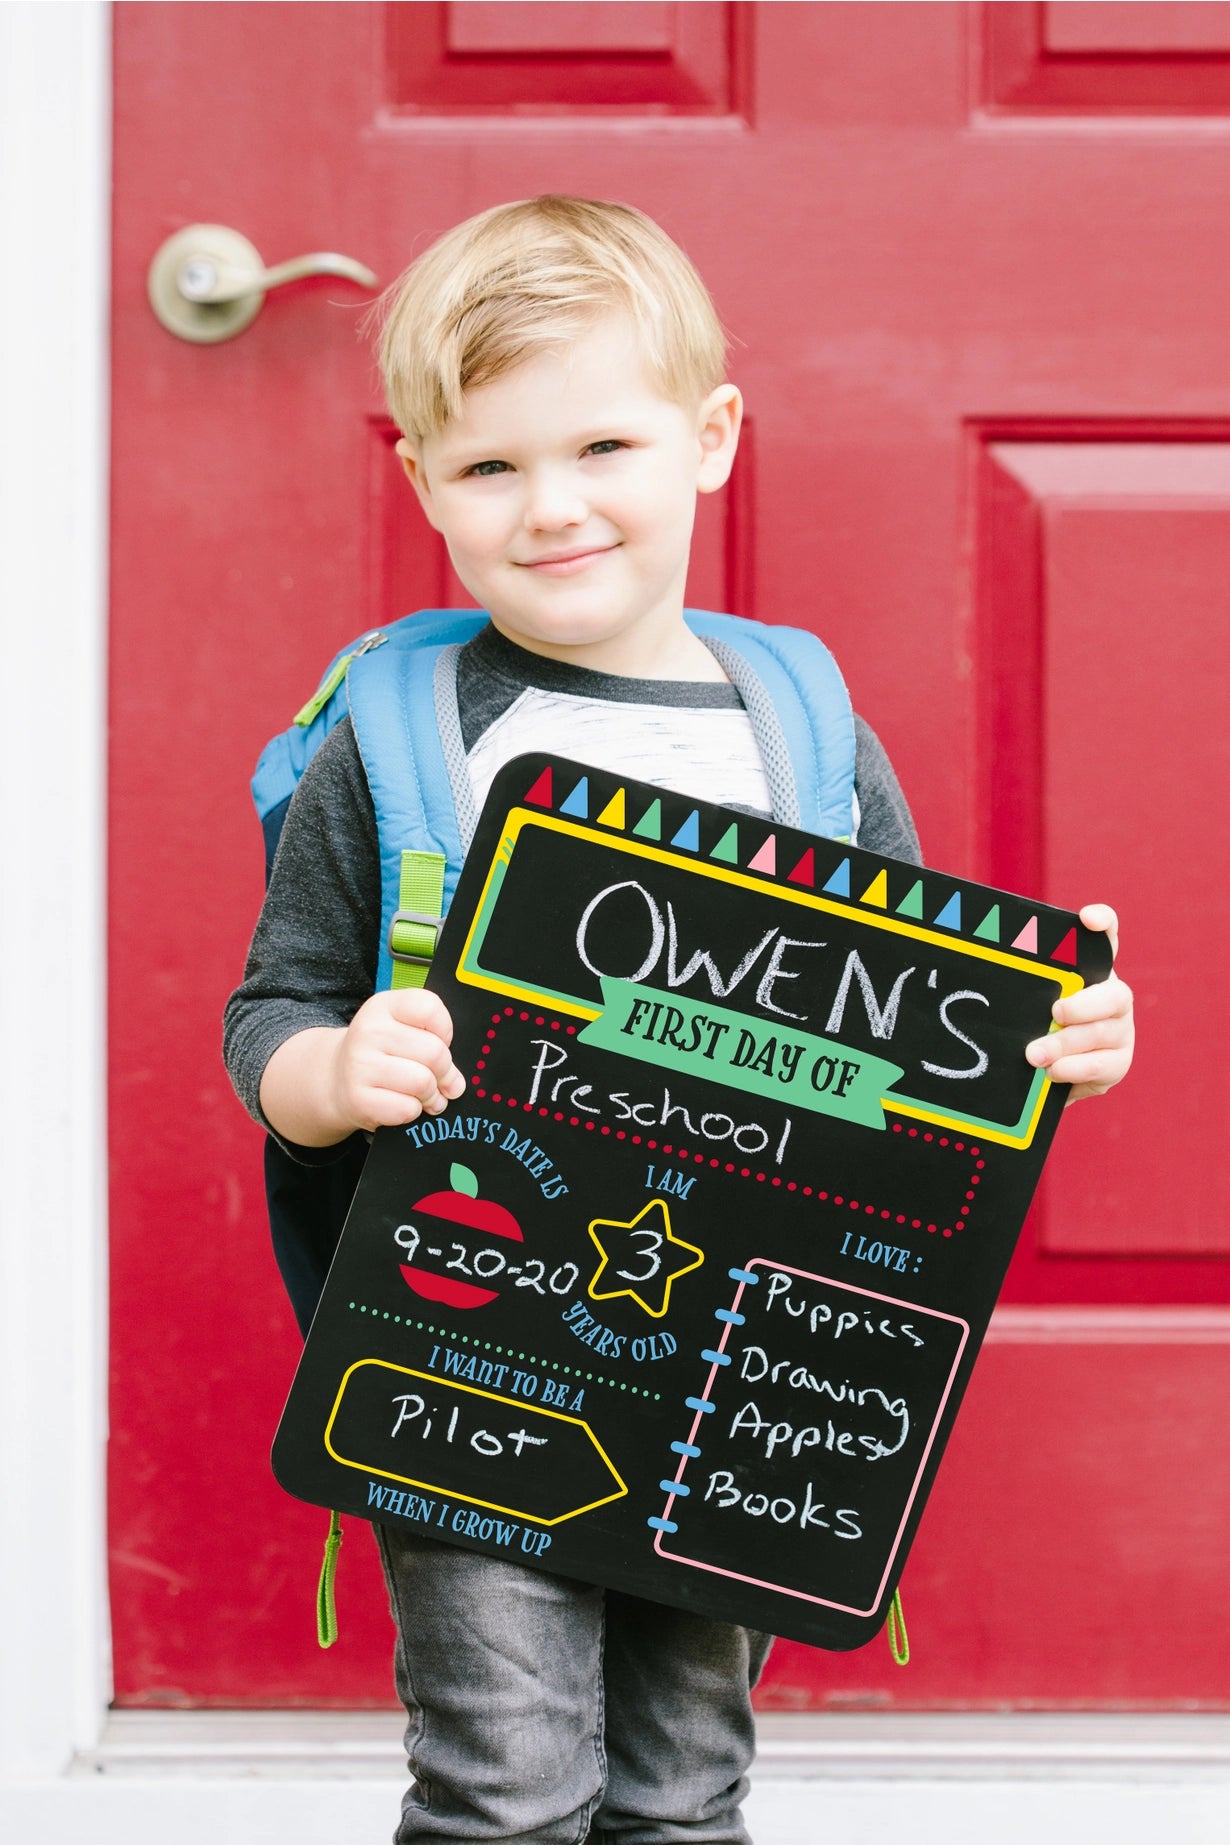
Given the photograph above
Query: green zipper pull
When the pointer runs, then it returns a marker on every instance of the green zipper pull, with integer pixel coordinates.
(320, 698)
(898, 1639)
(326, 1608)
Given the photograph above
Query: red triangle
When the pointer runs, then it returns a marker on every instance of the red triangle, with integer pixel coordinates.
(540, 794)
(805, 871)
(1066, 950)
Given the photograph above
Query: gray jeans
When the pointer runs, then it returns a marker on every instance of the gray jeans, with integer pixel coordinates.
(545, 1711)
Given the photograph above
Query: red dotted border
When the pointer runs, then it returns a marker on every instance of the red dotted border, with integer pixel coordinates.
(744, 1172)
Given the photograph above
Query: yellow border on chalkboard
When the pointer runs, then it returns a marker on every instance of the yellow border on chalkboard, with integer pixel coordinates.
(472, 973)
(431, 1486)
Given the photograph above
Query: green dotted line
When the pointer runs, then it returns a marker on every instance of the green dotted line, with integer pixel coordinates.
(485, 1345)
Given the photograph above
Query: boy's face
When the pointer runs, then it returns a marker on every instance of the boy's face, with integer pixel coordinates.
(566, 493)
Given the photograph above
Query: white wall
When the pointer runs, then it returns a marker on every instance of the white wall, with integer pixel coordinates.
(54, 196)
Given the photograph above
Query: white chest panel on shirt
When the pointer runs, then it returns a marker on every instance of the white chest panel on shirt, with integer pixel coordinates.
(708, 753)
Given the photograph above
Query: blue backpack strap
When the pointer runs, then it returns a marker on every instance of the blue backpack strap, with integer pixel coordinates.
(393, 706)
(800, 709)
(286, 756)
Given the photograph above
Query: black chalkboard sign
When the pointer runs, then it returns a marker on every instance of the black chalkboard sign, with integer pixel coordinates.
(683, 1294)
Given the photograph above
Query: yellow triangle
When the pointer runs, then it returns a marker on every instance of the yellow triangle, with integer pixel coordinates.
(877, 891)
(613, 813)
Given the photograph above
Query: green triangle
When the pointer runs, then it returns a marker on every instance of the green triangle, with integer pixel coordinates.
(988, 928)
(649, 826)
(727, 846)
(912, 903)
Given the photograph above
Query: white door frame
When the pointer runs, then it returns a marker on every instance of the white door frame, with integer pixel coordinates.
(65, 1771)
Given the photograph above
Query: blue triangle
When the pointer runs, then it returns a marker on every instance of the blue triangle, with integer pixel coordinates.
(577, 803)
(839, 884)
(688, 836)
(950, 916)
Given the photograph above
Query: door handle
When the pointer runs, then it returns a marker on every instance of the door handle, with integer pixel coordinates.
(207, 282)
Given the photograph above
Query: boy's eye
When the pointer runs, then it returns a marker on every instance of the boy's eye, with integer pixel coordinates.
(606, 447)
(484, 469)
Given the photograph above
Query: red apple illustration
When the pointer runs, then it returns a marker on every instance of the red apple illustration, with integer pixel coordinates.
(463, 1206)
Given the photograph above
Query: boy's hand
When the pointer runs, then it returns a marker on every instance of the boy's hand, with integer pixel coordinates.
(393, 1063)
(390, 1065)
(1093, 1051)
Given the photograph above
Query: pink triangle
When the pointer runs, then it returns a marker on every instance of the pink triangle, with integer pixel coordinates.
(1066, 950)
(766, 859)
(1028, 938)
(540, 794)
(805, 871)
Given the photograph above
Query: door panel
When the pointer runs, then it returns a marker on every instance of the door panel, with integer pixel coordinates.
(599, 57)
(1105, 567)
(978, 300)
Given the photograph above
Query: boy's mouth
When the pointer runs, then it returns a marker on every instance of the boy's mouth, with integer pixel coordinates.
(563, 563)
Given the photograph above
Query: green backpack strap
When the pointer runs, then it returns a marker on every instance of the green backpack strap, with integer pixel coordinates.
(412, 943)
(415, 928)
(326, 1608)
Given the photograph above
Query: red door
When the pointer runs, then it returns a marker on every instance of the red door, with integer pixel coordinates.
(975, 261)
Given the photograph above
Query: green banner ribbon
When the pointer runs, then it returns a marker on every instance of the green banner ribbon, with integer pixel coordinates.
(750, 1054)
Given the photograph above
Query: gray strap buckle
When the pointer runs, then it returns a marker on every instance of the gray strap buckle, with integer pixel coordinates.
(424, 922)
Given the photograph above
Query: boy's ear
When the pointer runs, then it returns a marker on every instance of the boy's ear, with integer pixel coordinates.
(718, 423)
(416, 474)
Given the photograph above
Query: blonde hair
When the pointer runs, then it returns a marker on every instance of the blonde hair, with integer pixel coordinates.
(522, 278)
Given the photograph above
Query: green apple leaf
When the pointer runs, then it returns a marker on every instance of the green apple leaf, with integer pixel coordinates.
(462, 1180)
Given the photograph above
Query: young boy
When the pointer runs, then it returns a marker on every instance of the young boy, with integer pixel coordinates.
(558, 373)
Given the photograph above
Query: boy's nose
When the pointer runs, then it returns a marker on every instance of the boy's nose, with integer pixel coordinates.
(553, 504)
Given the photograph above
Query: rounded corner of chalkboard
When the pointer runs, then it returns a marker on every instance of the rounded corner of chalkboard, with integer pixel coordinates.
(513, 772)
(282, 1468)
(852, 1633)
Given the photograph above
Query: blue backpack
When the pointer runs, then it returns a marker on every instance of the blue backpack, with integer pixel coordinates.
(399, 685)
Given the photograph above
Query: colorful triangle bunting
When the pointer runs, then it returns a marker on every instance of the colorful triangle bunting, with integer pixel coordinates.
(1028, 938)
(649, 826)
(540, 794)
(727, 847)
(688, 836)
(766, 859)
(805, 871)
(613, 813)
(877, 891)
(1066, 951)
(912, 903)
(950, 916)
(988, 928)
(839, 884)
(577, 803)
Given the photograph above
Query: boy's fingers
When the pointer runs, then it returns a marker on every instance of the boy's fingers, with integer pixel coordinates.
(1100, 916)
(416, 1006)
(447, 1091)
(403, 1080)
(423, 1047)
(1074, 1040)
(1092, 1073)
(1108, 999)
(377, 1107)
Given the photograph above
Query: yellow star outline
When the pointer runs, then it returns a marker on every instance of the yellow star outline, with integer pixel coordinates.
(643, 1263)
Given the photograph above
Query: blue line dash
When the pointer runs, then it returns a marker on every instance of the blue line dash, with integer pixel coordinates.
(674, 1486)
(685, 1447)
(699, 1403)
(662, 1524)
(716, 1358)
(743, 1274)
(731, 1318)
